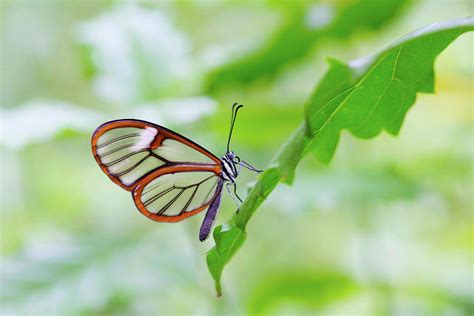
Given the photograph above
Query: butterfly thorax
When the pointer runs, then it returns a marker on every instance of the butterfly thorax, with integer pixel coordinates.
(229, 168)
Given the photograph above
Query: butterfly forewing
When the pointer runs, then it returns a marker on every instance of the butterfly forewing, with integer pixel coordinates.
(127, 150)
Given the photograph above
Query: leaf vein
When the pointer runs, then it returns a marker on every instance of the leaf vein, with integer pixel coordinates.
(358, 85)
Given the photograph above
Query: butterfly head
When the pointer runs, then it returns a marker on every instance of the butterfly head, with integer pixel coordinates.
(231, 156)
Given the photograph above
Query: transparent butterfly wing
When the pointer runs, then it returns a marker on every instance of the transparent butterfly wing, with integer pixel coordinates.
(172, 194)
(128, 150)
(170, 176)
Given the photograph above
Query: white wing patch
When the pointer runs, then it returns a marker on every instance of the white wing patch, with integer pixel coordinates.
(145, 138)
(125, 153)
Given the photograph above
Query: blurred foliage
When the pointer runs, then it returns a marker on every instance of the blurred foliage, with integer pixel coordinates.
(311, 290)
(370, 95)
(386, 230)
(306, 25)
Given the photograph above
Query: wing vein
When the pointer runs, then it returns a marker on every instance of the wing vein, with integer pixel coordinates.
(116, 161)
(159, 157)
(117, 139)
(116, 149)
(167, 206)
(197, 184)
(157, 196)
(189, 200)
(131, 168)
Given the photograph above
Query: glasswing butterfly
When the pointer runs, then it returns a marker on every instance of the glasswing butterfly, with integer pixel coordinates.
(170, 176)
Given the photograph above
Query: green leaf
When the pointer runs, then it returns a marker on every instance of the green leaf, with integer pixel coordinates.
(364, 96)
(374, 93)
(228, 240)
(306, 26)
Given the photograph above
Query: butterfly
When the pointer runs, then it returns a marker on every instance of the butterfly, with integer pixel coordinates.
(170, 177)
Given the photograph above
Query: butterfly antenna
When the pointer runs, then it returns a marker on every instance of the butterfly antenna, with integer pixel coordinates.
(235, 108)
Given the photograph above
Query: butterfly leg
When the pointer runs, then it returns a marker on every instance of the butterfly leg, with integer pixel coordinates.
(234, 194)
(249, 166)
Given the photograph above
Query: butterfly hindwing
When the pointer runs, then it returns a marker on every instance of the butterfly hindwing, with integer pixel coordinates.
(174, 193)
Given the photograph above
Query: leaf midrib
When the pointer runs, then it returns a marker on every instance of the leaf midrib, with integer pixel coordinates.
(392, 79)
(344, 101)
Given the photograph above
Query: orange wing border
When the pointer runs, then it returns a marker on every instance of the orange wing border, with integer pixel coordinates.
(163, 133)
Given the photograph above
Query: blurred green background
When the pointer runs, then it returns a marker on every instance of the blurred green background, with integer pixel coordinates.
(386, 229)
